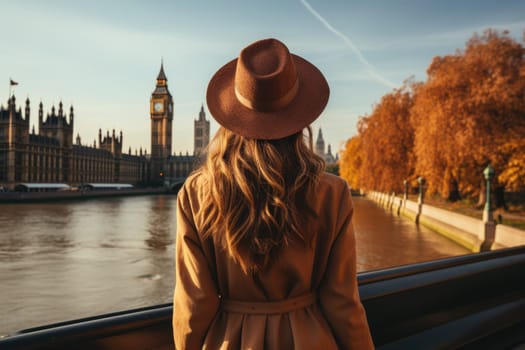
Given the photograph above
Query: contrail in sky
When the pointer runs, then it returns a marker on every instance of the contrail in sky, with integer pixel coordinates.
(370, 69)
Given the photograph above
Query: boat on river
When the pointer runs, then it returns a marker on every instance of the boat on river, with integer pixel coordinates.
(466, 302)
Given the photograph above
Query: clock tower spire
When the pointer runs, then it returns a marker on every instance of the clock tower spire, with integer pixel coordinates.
(161, 115)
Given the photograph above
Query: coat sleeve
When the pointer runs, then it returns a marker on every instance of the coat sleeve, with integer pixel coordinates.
(338, 292)
(195, 300)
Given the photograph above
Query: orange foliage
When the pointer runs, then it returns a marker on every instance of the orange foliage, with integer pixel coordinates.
(469, 112)
(385, 145)
(350, 162)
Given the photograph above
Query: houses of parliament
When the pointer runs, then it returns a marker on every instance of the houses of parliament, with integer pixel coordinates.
(53, 155)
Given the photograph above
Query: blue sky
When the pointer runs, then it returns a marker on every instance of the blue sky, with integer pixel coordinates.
(103, 56)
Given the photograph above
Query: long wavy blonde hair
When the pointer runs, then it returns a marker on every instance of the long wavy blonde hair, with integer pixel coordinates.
(254, 194)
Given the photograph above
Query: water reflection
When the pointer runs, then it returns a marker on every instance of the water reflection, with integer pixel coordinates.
(159, 224)
(68, 260)
(33, 229)
(385, 239)
(159, 281)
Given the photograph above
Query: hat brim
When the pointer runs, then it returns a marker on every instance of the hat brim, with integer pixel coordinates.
(310, 101)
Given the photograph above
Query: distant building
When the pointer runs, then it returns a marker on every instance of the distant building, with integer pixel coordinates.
(320, 149)
(50, 155)
(201, 135)
(319, 144)
(161, 116)
(163, 162)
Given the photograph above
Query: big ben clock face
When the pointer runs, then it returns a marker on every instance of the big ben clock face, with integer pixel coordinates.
(158, 107)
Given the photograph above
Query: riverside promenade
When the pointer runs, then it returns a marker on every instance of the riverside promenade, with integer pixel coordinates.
(474, 234)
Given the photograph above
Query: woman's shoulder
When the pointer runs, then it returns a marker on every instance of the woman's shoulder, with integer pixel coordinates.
(331, 189)
(192, 182)
(190, 190)
(331, 182)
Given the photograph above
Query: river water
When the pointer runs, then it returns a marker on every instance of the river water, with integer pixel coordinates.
(67, 260)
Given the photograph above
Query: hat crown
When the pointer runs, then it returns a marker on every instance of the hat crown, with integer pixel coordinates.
(263, 60)
(266, 76)
(266, 92)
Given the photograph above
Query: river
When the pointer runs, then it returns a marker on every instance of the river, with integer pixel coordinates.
(67, 260)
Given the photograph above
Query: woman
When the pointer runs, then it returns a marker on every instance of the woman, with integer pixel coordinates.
(265, 250)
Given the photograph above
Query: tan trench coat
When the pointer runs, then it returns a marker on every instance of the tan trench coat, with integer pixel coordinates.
(308, 299)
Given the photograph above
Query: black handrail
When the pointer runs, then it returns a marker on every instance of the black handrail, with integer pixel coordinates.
(449, 303)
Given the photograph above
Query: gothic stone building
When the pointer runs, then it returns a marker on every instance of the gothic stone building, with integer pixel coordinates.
(163, 162)
(320, 149)
(50, 156)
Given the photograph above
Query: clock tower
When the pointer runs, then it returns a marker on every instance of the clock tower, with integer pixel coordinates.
(161, 115)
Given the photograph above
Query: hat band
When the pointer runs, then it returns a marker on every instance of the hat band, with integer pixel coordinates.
(272, 105)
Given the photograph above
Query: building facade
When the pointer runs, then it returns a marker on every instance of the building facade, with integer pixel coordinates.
(201, 136)
(320, 149)
(161, 116)
(50, 156)
(164, 164)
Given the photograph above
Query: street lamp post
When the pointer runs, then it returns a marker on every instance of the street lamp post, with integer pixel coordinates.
(392, 200)
(488, 173)
(488, 219)
(421, 181)
(405, 184)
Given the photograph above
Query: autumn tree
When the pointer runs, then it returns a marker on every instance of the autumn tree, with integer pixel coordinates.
(350, 162)
(386, 141)
(470, 112)
(436, 125)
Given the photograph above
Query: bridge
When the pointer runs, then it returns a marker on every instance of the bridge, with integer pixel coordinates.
(173, 184)
(466, 302)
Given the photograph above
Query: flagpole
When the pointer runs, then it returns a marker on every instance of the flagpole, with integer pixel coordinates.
(10, 130)
(11, 84)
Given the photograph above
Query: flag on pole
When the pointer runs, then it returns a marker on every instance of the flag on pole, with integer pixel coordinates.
(12, 82)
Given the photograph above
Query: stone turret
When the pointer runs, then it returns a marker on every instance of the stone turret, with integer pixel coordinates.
(14, 131)
(15, 124)
(27, 109)
(201, 136)
(329, 157)
(319, 144)
(71, 115)
(111, 143)
(56, 125)
(40, 114)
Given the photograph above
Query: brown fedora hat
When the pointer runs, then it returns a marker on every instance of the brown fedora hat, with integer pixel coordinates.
(267, 93)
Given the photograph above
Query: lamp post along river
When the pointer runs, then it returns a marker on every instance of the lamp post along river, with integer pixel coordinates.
(488, 217)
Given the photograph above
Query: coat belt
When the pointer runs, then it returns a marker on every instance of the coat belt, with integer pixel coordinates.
(269, 307)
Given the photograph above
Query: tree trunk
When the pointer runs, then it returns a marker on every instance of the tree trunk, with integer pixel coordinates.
(453, 193)
(499, 197)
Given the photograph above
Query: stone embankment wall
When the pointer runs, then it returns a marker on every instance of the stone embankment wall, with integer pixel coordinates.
(23, 197)
(469, 232)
